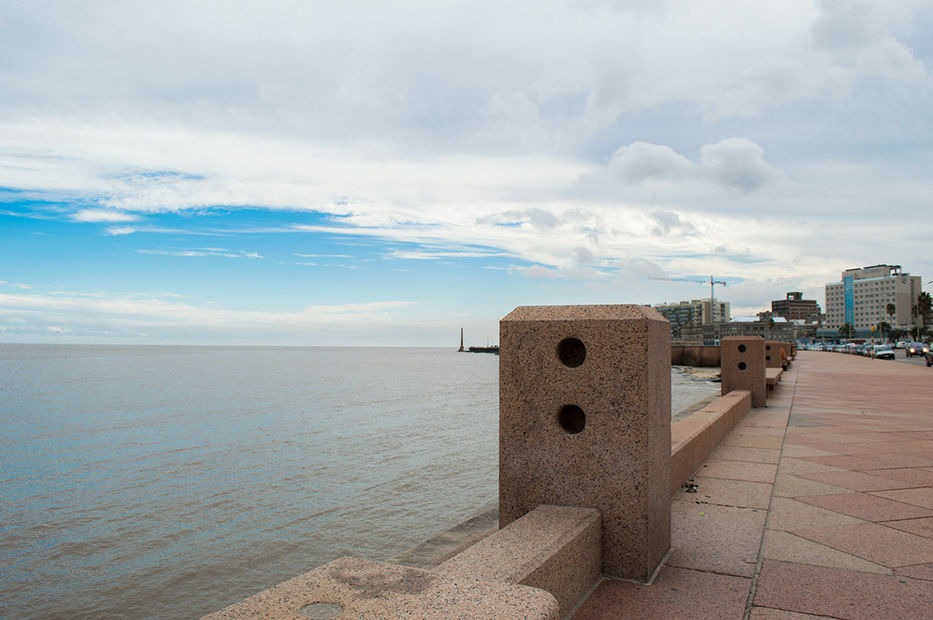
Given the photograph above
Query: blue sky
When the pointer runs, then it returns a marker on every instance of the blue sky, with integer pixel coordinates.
(376, 173)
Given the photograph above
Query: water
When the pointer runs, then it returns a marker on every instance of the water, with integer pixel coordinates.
(168, 482)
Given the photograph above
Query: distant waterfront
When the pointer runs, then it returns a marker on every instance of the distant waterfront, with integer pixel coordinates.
(171, 481)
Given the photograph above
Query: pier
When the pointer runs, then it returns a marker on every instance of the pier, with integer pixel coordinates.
(806, 496)
(820, 503)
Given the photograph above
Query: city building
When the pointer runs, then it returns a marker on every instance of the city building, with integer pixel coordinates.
(691, 314)
(867, 296)
(795, 308)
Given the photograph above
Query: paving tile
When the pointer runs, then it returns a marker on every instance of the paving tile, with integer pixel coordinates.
(790, 548)
(822, 591)
(919, 527)
(790, 515)
(918, 497)
(884, 447)
(765, 613)
(868, 507)
(797, 451)
(716, 538)
(795, 465)
(875, 543)
(906, 459)
(676, 593)
(738, 470)
(917, 571)
(740, 453)
(913, 475)
(722, 492)
(753, 441)
(847, 461)
(855, 480)
(789, 485)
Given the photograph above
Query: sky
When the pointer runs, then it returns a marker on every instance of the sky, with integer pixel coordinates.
(384, 174)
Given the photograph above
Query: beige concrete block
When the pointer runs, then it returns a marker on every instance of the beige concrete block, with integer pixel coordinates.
(554, 548)
(743, 367)
(352, 588)
(773, 351)
(584, 420)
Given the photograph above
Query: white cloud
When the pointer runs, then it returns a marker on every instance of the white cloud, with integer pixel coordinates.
(147, 318)
(735, 163)
(99, 215)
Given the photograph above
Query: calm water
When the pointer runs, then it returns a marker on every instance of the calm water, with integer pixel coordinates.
(168, 482)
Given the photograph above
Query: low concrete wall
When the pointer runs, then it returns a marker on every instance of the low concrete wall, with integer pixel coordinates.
(554, 548)
(695, 355)
(694, 437)
(350, 588)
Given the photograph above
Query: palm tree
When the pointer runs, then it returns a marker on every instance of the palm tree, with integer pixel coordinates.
(890, 310)
(923, 309)
(846, 330)
(883, 328)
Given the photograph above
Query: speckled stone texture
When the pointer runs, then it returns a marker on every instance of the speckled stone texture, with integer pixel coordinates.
(554, 548)
(584, 420)
(694, 437)
(743, 367)
(773, 351)
(353, 589)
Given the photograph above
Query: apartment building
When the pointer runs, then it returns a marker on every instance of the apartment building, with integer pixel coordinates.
(862, 296)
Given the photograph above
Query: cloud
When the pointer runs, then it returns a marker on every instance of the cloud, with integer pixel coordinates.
(642, 161)
(737, 163)
(204, 252)
(734, 163)
(668, 221)
(165, 318)
(99, 215)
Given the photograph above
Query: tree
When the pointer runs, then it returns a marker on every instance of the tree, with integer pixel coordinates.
(883, 328)
(847, 330)
(891, 310)
(921, 312)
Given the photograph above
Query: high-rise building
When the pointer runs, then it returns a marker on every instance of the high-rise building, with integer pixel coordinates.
(795, 308)
(693, 314)
(865, 295)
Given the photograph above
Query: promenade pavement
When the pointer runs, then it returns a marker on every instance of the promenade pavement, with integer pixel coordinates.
(818, 506)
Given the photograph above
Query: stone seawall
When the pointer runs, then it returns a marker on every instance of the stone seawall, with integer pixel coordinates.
(695, 355)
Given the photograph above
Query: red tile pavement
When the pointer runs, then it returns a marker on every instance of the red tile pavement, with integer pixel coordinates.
(838, 593)
(842, 457)
(704, 594)
(868, 507)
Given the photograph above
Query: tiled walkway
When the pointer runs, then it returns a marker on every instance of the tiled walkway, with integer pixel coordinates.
(820, 505)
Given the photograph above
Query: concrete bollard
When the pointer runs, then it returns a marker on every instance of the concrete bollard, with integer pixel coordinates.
(773, 350)
(585, 421)
(743, 367)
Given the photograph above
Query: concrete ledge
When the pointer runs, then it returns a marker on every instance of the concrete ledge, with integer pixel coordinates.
(350, 588)
(554, 548)
(694, 437)
(772, 376)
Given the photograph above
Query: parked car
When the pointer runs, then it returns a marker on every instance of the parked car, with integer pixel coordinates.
(900, 344)
(917, 348)
(884, 352)
(929, 357)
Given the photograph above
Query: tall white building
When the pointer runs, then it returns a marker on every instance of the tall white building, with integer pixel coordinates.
(862, 297)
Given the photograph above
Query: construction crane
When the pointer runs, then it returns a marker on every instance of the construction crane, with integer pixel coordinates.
(712, 285)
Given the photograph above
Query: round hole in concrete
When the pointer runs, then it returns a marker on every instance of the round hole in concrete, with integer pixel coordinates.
(742, 348)
(572, 419)
(742, 365)
(571, 352)
(322, 611)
